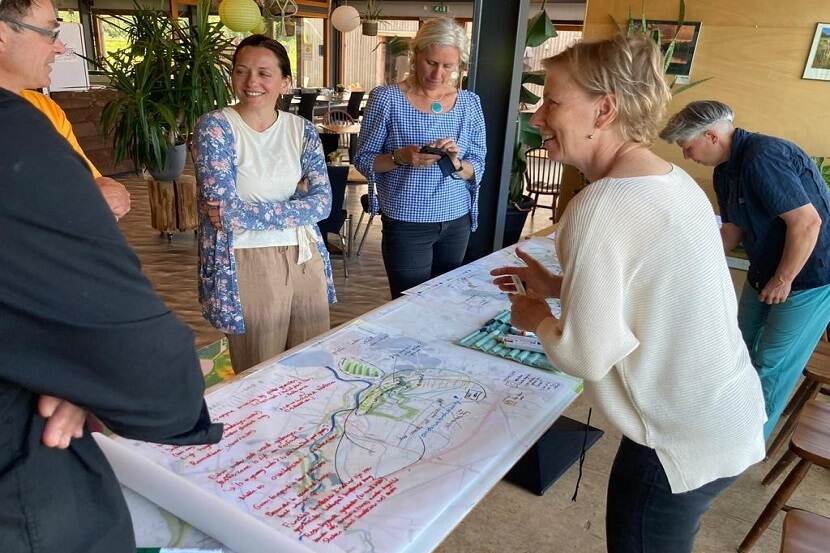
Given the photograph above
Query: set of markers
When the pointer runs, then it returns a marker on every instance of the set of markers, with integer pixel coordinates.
(521, 339)
(493, 338)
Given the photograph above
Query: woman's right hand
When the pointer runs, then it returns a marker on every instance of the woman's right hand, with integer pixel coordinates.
(539, 282)
(214, 213)
(411, 155)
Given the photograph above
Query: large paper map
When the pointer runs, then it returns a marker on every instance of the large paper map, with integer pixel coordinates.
(360, 441)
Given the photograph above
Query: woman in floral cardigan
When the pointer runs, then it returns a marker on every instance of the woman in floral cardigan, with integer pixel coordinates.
(264, 272)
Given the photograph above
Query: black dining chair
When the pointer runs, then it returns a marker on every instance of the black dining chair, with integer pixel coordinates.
(331, 142)
(353, 108)
(306, 107)
(364, 203)
(333, 224)
(543, 177)
(284, 102)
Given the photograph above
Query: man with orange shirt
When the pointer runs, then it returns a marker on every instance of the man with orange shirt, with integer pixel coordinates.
(114, 192)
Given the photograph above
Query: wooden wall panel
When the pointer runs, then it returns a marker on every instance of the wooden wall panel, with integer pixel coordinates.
(755, 52)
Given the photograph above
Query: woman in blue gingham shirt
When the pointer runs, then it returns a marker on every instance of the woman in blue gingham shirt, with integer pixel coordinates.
(427, 217)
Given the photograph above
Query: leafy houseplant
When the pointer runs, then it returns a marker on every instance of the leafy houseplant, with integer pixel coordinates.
(370, 17)
(539, 29)
(170, 75)
(824, 168)
(654, 34)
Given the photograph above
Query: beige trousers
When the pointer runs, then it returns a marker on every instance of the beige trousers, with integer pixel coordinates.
(284, 304)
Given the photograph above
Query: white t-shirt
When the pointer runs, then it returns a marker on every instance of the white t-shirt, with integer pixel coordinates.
(268, 170)
(649, 320)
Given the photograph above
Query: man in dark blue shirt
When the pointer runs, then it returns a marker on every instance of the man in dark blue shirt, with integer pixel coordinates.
(774, 201)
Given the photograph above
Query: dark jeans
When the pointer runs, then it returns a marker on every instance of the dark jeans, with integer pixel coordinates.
(642, 515)
(416, 252)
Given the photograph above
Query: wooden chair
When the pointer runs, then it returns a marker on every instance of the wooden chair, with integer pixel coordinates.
(337, 117)
(811, 444)
(805, 532)
(816, 380)
(543, 177)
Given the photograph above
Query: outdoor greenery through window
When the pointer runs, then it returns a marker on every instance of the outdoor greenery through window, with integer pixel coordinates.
(112, 33)
(70, 16)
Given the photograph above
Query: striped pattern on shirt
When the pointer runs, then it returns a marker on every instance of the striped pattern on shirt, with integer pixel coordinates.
(649, 320)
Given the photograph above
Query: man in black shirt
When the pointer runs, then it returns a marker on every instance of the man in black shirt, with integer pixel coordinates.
(80, 327)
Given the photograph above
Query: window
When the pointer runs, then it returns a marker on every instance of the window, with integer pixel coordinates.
(305, 48)
(308, 48)
(533, 56)
(111, 33)
(369, 61)
(70, 16)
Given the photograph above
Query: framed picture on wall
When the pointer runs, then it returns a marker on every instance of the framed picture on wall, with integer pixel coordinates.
(685, 41)
(818, 62)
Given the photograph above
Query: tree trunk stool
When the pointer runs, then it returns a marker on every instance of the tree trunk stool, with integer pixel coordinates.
(805, 532)
(811, 444)
(173, 206)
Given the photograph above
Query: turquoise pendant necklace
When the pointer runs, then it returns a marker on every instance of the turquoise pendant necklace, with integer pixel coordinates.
(435, 106)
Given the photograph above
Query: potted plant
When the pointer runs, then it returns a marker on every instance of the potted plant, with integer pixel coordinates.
(370, 17)
(170, 75)
(539, 29)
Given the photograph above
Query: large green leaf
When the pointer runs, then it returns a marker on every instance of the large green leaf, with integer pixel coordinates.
(683, 88)
(517, 172)
(823, 164)
(534, 77)
(539, 29)
(528, 134)
(527, 97)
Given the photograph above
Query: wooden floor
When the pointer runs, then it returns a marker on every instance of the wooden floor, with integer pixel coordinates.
(508, 519)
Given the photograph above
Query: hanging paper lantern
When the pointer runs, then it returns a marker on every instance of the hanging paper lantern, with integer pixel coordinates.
(345, 19)
(259, 29)
(239, 15)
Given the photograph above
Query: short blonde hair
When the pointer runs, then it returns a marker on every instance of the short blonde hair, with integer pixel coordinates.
(441, 31)
(631, 71)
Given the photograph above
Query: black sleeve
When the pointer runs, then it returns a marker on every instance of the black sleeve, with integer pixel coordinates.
(78, 319)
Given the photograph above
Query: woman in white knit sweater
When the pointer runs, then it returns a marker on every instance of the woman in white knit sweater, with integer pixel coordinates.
(649, 315)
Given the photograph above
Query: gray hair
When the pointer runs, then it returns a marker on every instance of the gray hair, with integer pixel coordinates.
(442, 31)
(696, 118)
(15, 9)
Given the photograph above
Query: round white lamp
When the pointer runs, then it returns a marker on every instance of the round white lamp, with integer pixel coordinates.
(345, 19)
